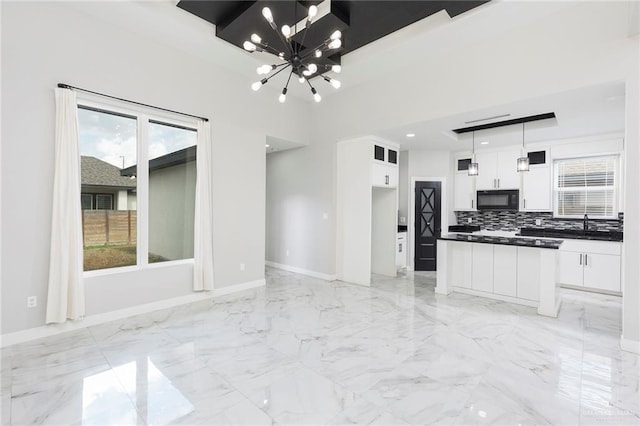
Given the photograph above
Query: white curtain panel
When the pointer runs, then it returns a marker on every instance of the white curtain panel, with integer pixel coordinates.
(66, 288)
(203, 225)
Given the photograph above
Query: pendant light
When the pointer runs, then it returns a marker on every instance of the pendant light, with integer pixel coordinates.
(523, 162)
(473, 166)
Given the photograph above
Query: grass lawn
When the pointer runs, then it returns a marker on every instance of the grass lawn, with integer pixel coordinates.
(103, 257)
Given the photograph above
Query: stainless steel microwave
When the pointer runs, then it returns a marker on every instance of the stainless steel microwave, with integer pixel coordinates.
(498, 200)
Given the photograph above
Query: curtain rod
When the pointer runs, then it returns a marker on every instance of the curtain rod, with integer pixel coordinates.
(67, 86)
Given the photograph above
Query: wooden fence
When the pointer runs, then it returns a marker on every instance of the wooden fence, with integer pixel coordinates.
(101, 227)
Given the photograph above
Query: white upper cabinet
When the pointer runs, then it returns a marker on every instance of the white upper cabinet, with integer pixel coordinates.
(536, 189)
(384, 176)
(497, 170)
(384, 166)
(464, 191)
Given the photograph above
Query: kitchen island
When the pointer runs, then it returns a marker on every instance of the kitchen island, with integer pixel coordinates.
(517, 270)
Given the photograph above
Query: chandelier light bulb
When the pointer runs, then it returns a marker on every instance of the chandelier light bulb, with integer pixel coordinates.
(318, 53)
(313, 11)
(336, 35)
(266, 12)
(306, 73)
(248, 46)
(264, 69)
(256, 86)
(317, 97)
(312, 67)
(256, 38)
(335, 83)
(283, 96)
(301, 79)
(335, 44)
(286, 31)
(281, 55)
(336, 69)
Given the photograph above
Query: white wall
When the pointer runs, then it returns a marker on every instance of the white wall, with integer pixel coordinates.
(50, 42)
(172, 198)
(297, 187)
(403, 186)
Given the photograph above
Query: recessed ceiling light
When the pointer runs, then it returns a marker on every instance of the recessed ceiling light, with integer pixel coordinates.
(266, 145)
(484, 143)
(410, 135)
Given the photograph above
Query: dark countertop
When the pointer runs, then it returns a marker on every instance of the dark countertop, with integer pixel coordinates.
(506, 241)
(572, 234)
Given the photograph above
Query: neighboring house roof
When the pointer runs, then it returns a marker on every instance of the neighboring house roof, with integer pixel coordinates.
(183, 156)
(96, 172)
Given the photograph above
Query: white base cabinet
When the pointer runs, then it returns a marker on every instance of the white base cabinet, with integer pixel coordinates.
(523, 275)
(482, 266)
(593, 265)
(505, 266)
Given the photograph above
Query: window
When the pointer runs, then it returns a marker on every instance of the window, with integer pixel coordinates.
(586, 186)
(128, 218)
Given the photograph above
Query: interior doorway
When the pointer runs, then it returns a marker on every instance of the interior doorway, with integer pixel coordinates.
(427, 224)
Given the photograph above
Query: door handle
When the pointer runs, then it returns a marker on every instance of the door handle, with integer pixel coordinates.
(586, 260)
(581, 258)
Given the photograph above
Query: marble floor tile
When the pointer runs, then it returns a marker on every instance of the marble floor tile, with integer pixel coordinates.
(306, 351)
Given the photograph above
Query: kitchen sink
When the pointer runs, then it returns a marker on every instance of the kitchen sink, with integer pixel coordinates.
(572, 233)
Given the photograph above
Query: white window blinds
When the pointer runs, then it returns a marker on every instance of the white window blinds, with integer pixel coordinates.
(586, 186)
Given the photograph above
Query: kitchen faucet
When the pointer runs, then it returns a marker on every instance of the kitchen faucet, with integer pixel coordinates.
(585, 223)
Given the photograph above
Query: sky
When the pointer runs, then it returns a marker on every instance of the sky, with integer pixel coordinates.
(112, 138)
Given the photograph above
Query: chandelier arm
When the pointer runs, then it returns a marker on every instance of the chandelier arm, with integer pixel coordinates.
(274, 51)
(304, 36)
(322, 47)
(278, 72)
(282, 38)
(289, 79)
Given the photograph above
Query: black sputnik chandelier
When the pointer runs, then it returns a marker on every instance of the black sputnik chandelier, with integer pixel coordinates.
(300, 63)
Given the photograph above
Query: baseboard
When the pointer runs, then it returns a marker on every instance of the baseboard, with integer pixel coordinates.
(91, 320)
(630, 345)
(302, 271)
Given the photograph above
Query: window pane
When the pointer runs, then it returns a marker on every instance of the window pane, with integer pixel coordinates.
(586, 186)
(86, 201)
(172, 182)
(104, 202)
(107, 149)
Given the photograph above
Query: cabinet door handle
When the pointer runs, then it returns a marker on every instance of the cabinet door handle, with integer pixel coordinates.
(386, 179)
(498, 183)
(581, 258)
(525, 203)
(586, 259)
(471, 203)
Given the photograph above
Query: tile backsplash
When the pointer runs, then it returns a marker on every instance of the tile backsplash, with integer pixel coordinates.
(504, 220)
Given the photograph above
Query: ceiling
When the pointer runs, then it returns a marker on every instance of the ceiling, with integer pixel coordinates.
(589, 111)
(360, 21)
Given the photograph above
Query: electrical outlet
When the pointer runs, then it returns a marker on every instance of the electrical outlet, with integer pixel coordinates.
(469, 220)
(32, 301)
(242, 266)
(538, 222)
